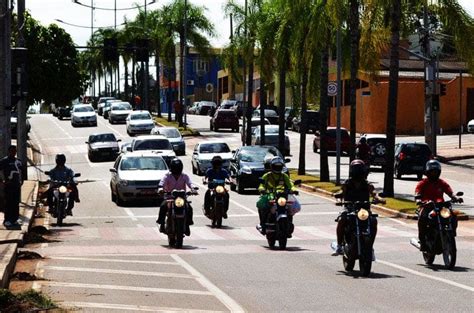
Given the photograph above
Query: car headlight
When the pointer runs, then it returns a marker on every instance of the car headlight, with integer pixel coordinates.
(445, 213)
(62, 189)
(123, 182)
(281, 201)
(179, 202)
(246, 170)
(220, 189)
(363, 214)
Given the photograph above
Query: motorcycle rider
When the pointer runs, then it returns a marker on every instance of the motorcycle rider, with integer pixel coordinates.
(432, 188)
(363, 151)
(273, 181)
(63, 173)
(356, 188)
(175, 179)
(216, 172)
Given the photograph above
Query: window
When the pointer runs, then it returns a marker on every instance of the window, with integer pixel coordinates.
(201, 67)
(225, 84)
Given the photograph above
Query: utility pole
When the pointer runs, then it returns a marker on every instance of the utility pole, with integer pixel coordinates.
(245, 102)
(338, 106)
(5, 77)
(22, 106)
(185, 56)
(145, 68)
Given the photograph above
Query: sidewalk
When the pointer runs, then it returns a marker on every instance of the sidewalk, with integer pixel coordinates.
(11, 239)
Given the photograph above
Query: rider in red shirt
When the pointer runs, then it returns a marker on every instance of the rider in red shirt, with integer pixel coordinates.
(431, 188)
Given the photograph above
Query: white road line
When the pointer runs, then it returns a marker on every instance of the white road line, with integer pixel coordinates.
(61, 128)
(230, 303)
(130, 214)
(120, 272)
(126, 288)
(142, 308)
(66, 258)
(446, 281)
(111, 128)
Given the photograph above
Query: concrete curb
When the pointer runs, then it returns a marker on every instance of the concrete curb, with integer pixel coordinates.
(7, 262)
(378, 208)
(454, 158)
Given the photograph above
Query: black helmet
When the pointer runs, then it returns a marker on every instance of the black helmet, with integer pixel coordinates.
(433, 169)
(267, 163)
(363, 140)
(357, 170)
(60, 159)
(176, 166)
(216, 161)
(277, 165)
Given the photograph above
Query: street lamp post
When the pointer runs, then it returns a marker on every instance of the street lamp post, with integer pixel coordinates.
(184, 81)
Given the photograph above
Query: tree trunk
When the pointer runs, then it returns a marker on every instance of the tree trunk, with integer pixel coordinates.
(304, 123)
(323, 110)
(391, 130)
(134, 87)
(126, 87)
(248, 136)
(281, 108)
(263, 104)
(354, 35)
(169, 97)
(105, 82)
(98, 80)
(158, 85)
(182, 83)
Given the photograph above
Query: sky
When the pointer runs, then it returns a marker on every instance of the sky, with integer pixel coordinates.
(47, 11)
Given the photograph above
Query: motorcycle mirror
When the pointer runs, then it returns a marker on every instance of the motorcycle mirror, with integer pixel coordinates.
(417, 197)
(113, 170)
(77, 175)
(196, 188)
(460, 194)
(287, 160)
(87, 142)
(47, 172)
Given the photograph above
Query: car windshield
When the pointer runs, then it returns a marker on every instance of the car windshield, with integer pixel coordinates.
(153, 144)
(257, 155)
(102, 138)
(143, 163)
(169, 132)
(256, 122)
(270, 113)
(271, 130)
(376, 141)
(214, 148)
(142, 116)
(417, 149)
(121, 107)
(84, 109)
(207, 103)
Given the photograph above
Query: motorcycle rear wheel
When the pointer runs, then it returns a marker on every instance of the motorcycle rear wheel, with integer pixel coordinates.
(171, 240)
(271, 240)
(179, 233)
(348, 263)
(449, 252)
(60, 216)
(429, 258)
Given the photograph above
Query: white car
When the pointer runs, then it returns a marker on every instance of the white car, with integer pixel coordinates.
(101, 103)
(156, 143)
(205, 151)
(119, 112)
(174, 136)
(139, 122)
(83, 114)
(470, 126)
(136, 176)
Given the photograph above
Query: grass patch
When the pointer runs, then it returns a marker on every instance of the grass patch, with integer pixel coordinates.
(401, 205)
(184, 132)
(27, 301)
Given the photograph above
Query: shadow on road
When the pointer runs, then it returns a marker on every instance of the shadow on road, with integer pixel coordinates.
(440, 267)
(288, 249)
(356, 274)
(225, 227)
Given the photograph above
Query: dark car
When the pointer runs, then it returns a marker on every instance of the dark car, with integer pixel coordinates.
(289, 116)
(64, 112)
(378, 149)
(330, 140)
(312, 122)
(225, 119)
(102, 146)
(254, 122)
(270, 115)
(247, 166)
(205, 107)
(411, 158)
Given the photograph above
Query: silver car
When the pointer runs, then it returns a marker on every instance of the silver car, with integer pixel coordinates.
(271, 138)
(205, 151)
(100, 146)
(139, 122)
(136, 175)
(119, 112)
(83, 115)
(174, 136)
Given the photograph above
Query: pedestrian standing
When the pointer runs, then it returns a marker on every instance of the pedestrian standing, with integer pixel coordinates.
(11, 179)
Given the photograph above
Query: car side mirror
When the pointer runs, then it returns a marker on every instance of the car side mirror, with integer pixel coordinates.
(119, 140)
(77, 175)
(233, 151)
(47, 172)
(460, 194)
(113, 170)
(87, 142)
(287, 160)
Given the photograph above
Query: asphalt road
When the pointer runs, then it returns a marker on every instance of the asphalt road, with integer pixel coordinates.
(113, 259)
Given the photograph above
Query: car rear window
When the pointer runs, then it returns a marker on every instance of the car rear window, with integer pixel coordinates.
(226, 113)
(418, 149)
(143, 116)
(143, 163)
(102, 138)
(257, 155)
(214, 148)
(169, 132)
(152, 144)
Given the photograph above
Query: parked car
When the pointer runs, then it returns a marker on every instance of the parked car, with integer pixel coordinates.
(312, 119)
(139, 122)
(193, 108)
(270, 115)
(14, 124)
(119, 112)
(290, 113)
(174, 136)
(247, 166)
(101, 103)
(64, 112)
(470, 126)
(411, 158)
(83, 114)
(204, 152)
(228, 104)
(330, 140)
(136, 176)
(254, 122)
(107, 106)
(225, 118)
(205, 106)
(378, 149)
(158, 144)
(271, 138)
(104, 145)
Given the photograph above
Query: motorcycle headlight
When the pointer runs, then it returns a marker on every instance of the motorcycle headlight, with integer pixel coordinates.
(281, 201)
(363, 214)
(62, 189)
(179, 202)
(445, 213)
(220, 189)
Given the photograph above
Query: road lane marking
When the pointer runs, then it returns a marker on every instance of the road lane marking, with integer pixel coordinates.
(125, 307)
(230, 303)
(443, 280)
(67, 258)
(126, 288)
(120, 272)
(111, 128)
(130, 214)
(61, 128)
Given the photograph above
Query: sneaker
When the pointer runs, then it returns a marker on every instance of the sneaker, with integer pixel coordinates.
(289, 236)
(260, 229)
(77, 200)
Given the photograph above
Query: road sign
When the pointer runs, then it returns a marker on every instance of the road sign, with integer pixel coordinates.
(209, 88)
(332, 89)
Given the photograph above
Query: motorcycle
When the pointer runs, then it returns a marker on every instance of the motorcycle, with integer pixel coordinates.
(218, 202)
(176, 216)
(359, 236)
(61, 192)
(441, 231)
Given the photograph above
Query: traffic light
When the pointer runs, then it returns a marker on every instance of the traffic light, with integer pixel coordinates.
(110, 50)
(442, 89)
(142, 50)
(435, 103)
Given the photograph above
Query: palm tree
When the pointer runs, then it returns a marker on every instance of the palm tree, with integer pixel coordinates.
(354, 68)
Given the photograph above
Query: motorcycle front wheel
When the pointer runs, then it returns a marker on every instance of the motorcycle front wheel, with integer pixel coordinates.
(429, 258)
(449, 251)
(283, 233)
(348, 263)
(179, 231)
(60, 215)
(365, 260)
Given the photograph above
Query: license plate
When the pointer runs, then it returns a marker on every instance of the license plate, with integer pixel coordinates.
(418, 168)
(148, 192)
(104, 153)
